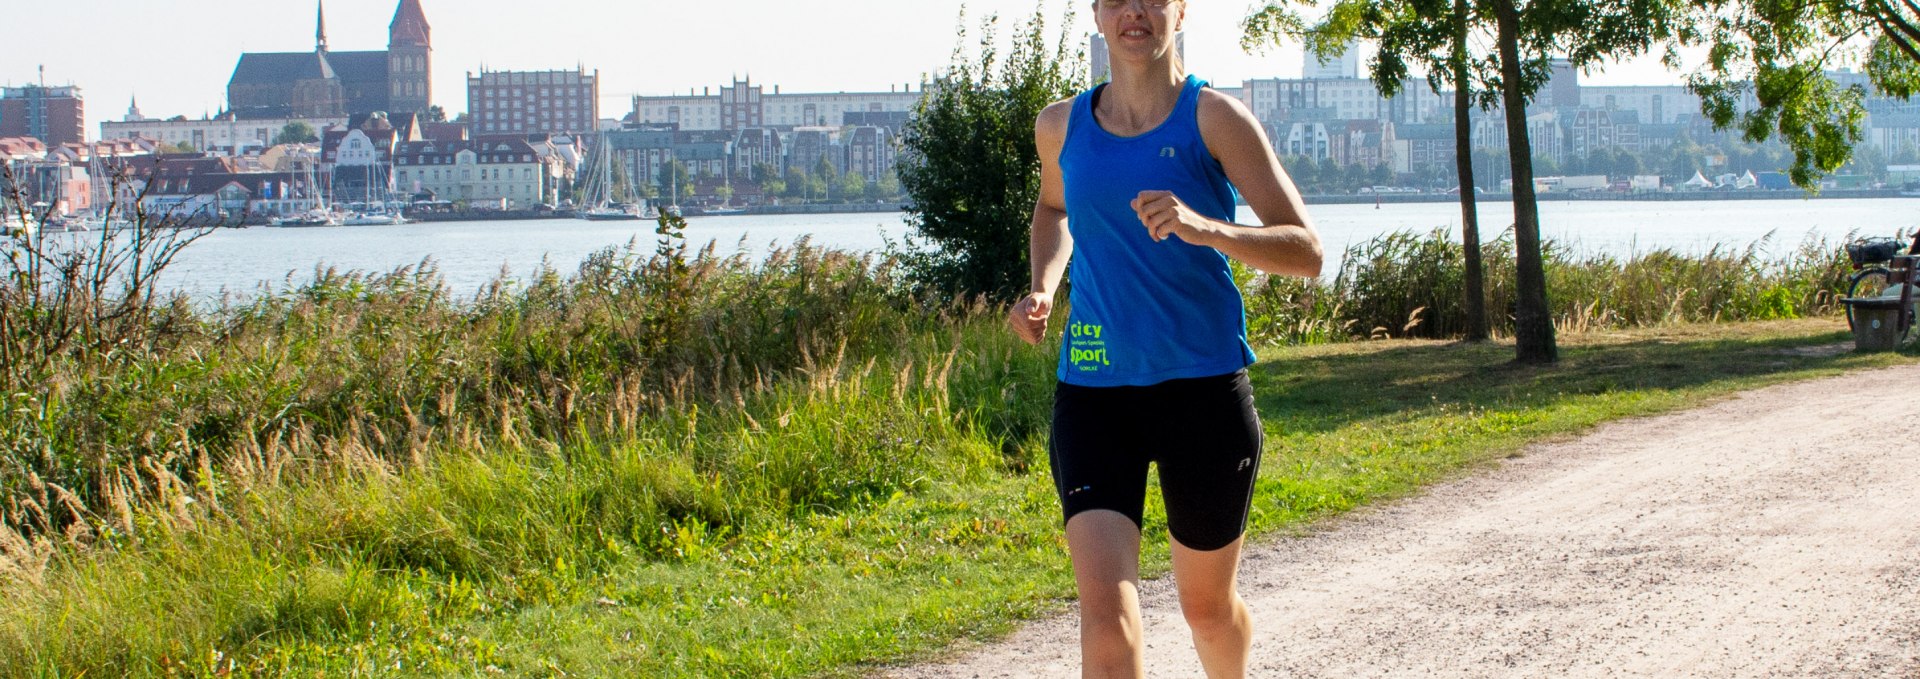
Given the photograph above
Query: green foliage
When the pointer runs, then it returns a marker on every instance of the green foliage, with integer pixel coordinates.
(296, 132)
(1781, 53)
(851, 187)
(919, 516)
(970, 167)
(1410, 285)
(673, 176)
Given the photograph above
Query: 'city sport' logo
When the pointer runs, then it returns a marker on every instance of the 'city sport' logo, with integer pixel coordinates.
(1167, 152)
(1086, 346)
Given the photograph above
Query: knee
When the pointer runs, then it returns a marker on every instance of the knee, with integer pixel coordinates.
(1211, 614)
(1105, 613)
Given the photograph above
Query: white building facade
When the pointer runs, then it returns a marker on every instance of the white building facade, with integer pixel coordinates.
(506, 172)
(226, 135)
(741, 105)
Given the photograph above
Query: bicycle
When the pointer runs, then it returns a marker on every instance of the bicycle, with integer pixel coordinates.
(1883, 279)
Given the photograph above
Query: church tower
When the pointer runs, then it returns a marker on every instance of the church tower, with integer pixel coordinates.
(409, 60)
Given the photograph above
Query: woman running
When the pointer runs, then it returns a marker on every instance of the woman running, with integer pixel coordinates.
(1138, 178)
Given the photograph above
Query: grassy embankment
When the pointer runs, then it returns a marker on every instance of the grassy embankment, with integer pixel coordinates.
(783, 469)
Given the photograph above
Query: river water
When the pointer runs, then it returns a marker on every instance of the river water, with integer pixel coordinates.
(469, 254)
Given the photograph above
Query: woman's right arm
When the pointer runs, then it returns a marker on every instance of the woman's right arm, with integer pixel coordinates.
(1051, 244)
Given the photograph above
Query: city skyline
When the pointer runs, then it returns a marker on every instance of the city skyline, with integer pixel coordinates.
(799, 47)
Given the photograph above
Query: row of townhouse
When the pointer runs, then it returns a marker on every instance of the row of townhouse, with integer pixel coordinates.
(226, 134)
(721, 158)
(68, 178)
(509, 172)
(744, 105)
(381, 158)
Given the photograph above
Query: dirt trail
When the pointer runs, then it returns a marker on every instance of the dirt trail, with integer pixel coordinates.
(1775, 534)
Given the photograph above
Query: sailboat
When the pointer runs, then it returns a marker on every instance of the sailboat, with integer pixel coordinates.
(319, 214)
(379, 205)
(598, 199)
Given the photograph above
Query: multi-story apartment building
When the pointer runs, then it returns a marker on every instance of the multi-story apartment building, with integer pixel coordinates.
(1423, 146)
(871, 152)
(644, 153)
(55, 115)
(810, 144)
(1302, 139)
(744, 105)
(495, 170)
(1657, 104)
(1594, 129)
(754, 147)
(533, 102)
(1543, 133)
(1279, 100)
(226, 134)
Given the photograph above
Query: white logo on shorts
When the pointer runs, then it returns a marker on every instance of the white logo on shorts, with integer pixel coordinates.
(1244, 464)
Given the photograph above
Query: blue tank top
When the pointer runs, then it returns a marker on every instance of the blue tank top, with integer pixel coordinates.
(1144, 312)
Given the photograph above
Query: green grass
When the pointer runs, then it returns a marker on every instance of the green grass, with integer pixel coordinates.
(871, 513)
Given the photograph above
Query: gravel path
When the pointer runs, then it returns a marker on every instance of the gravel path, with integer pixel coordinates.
(1768, 535)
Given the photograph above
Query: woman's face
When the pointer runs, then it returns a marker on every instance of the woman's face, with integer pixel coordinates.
(1139, 29)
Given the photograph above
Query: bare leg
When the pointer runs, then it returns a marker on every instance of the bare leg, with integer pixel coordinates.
(1222, 628)
(1105, 546)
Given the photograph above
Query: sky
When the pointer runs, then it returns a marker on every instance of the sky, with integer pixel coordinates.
(176, 56)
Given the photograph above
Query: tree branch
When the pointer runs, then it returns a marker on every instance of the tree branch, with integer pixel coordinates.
(1899, 40)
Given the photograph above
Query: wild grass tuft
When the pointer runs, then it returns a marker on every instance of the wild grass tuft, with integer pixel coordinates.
(1407, 284)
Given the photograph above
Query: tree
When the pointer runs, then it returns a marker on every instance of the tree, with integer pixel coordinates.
(1526, 35)
(435, 114)
(1782, 54)
(763, 171)
(969, 163)
(825, 176)
(797, 185)
(852, 187)
(1435, 38)
(296, 132)
(1532, 318)
(673, 176)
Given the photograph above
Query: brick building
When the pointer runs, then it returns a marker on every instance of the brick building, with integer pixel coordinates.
(55, 115)
(325, 83)
(533, 102)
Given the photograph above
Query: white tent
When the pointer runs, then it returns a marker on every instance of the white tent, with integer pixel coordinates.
(1699, 181)
(1746, 181)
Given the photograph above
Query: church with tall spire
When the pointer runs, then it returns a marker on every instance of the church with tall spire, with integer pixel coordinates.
(324, 83)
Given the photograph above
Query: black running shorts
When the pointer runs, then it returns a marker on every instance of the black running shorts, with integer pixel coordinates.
(1204, 434)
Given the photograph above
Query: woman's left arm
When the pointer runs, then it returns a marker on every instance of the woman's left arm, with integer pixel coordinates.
(1286, 242)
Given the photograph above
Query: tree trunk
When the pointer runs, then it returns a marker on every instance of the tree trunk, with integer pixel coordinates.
(1476, 283)
(1533, 320)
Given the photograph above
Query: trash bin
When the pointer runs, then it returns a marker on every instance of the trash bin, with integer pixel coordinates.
(1875, 321)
